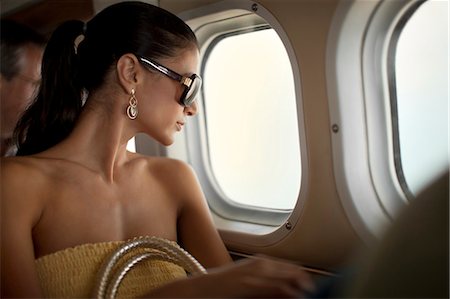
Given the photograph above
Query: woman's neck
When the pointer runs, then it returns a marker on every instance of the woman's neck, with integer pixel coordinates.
(98, 140)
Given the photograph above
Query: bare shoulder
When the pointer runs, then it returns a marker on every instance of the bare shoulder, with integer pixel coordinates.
(168, 164)
(22, 203)
(22, 170)
(171, 170)
(176, 176)
(23, 183)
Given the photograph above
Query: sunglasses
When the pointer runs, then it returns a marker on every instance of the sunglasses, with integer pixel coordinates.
(191, 84)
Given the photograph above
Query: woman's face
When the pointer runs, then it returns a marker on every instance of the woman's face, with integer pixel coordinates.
(160, 112)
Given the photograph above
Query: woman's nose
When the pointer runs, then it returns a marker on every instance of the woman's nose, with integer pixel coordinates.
(191, 110)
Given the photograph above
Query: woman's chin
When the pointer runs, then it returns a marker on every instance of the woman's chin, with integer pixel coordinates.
(167, 141)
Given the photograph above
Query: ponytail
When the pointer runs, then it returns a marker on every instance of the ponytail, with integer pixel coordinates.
(58, 104)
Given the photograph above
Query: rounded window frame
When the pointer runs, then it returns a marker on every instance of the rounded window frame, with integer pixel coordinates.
(392, 77)
(361, 37)
(265, 225)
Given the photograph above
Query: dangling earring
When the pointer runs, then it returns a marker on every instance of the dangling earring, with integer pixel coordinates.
(132, 110)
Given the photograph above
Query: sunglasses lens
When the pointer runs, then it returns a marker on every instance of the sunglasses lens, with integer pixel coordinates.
(192, 91)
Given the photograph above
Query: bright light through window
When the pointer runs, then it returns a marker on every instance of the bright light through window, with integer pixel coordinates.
(421, 73)
(131, 145)
(251, 120)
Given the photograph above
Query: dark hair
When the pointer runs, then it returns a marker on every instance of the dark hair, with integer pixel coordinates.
(127, 27)
(14, 36)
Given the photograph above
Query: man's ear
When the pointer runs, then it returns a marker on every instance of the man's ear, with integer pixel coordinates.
(128, 72)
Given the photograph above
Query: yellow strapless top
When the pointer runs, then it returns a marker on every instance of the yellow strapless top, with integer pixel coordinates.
(72, 272)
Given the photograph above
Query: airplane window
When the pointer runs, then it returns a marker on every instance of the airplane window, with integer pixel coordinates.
(421, 96)
(131, 145)
(251, 119)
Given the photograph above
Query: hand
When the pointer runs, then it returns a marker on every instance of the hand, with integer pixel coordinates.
(249, 278)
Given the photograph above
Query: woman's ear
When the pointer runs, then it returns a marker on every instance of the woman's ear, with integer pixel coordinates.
(128, 72)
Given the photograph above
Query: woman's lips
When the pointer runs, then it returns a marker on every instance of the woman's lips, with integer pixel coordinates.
(180, 126)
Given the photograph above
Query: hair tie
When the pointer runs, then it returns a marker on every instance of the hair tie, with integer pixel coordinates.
(79, 38)
(77, 42)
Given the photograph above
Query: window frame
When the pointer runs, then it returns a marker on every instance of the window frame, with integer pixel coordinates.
(210, 23)
(392, 77)
(361, 112)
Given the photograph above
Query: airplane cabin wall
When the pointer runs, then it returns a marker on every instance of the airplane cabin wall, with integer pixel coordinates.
(323, 236)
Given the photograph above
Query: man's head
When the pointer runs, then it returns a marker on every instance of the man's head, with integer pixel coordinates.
(21, 55)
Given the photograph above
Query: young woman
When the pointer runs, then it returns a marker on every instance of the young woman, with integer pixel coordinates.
(76, 192)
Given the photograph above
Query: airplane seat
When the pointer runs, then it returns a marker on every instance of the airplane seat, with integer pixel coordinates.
(410, 261)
